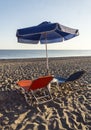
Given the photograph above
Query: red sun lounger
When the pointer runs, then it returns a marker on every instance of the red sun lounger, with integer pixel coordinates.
(39, 83)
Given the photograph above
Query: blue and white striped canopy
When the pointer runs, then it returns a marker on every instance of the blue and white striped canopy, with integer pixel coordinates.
(46, 32)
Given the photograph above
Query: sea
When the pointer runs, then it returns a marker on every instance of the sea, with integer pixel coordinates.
(17, 54)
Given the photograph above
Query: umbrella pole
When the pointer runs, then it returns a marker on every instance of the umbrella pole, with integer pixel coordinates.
(47, 65)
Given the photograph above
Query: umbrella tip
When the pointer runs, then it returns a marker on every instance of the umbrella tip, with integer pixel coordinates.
(45, 22)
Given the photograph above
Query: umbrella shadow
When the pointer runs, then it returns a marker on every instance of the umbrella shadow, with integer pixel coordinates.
(14, 110)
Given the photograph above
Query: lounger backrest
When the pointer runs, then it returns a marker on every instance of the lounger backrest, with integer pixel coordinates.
(41, 82)
(75, 76)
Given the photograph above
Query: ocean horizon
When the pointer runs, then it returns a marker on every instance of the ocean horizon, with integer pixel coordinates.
(17, 54)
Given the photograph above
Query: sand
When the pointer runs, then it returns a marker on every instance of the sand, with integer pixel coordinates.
(70, 108)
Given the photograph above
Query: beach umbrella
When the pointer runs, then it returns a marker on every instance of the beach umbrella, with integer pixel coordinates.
(45, 33)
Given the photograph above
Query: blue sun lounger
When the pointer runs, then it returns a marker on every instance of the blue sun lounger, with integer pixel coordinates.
(73, 77)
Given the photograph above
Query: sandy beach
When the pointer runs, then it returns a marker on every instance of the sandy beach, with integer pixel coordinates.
(70, 108)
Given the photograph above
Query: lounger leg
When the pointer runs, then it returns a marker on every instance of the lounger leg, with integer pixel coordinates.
(34, 96)
(48, 87)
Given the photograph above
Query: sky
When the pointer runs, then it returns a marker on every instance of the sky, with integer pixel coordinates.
(16, 14)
